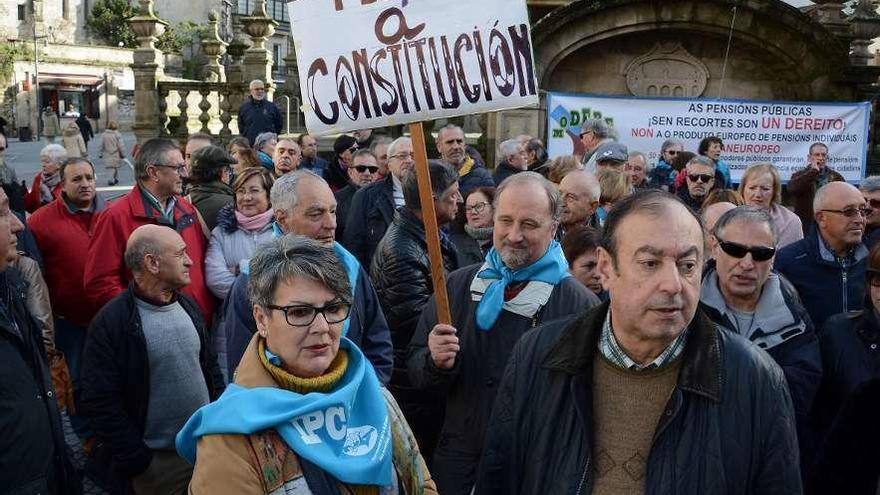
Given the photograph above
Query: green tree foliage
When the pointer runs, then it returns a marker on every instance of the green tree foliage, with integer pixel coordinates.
(109, 22)
(179, 35)
(9, 53)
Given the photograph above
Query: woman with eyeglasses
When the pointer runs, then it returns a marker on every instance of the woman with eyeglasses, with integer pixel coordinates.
(850, 344)
(762, 188)
(476, 240)
(306, 413)
(241, 227)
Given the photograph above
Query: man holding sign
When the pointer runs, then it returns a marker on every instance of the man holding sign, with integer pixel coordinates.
(523, 283)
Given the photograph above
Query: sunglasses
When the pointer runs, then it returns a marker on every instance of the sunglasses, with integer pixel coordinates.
(704, 178)
(363, 168)
(2, 148)
(759, 253)
(852, 212)
(672, 152)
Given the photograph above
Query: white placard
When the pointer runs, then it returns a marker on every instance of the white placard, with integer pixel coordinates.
(752, 131)
(373, 63)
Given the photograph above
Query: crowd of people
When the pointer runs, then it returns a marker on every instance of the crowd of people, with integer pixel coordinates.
(258, 318)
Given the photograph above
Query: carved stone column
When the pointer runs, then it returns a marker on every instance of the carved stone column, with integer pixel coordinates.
(214, 48)
(257, 59)
(865, 25)
(148, 68)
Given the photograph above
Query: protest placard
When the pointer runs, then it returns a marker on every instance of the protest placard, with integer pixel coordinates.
(753, 131)
(374, 63)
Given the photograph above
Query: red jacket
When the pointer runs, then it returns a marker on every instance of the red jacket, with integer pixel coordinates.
(32, 199)
(106, 275)
(63, 238)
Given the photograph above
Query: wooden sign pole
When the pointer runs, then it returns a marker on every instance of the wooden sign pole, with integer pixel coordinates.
(429, 218)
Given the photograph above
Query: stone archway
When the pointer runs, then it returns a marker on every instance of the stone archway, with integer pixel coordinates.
(778, 52)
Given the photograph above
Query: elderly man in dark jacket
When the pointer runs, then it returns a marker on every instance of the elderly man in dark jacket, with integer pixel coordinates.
(643, 394)
(743, 295)
(32, 449)
(827, 267)
(523, 283)
(401, 272)
(304, 205)
(148, 365)
(373, 206)
(257, 114)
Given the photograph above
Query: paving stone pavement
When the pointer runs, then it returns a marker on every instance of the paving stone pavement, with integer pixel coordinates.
(78, 457)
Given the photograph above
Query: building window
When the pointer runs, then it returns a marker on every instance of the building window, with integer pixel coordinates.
(278, 10)
(85, 10)
(244, 7)
(22, 12)
(65, 9)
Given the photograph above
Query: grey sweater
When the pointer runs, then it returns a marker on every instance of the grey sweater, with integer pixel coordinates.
(177, 385)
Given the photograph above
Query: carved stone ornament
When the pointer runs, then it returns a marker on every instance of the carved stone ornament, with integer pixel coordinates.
(667, 70)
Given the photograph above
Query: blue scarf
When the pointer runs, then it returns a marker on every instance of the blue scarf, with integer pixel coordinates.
(266, 161)
(345, 432)
(550, 268)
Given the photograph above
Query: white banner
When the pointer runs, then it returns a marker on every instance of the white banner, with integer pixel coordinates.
(373, 63)
(752, 131)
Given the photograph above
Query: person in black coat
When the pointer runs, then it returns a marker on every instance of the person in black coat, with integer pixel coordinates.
(525, 284)
(401, 273)
(643, 393)
(742, 294)
(850, 344)
(143, 342)
(33, 456)
(257, 114)
(474, 241)
(336, 173)
(373, 206)
(85, 128)
(363, 172)
(847, 462)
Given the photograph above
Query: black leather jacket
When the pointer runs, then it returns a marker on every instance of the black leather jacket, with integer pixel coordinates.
(728, 427)
(401, 273)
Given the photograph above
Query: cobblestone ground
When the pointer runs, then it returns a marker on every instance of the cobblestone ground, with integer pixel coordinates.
(78, 457)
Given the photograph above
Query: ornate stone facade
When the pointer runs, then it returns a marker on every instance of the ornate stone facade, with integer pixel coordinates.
(667, 70)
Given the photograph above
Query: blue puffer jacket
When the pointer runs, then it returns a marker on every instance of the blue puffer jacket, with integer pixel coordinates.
(826, 287)
(367, 329)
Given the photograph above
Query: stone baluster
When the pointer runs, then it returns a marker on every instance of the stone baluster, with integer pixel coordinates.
(205, 107)
(163, 111)
(225, 113)
(183, 105)
(214, 48)
(257, 59)
(148, 68)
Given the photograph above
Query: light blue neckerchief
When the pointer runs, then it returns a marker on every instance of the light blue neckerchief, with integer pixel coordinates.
(551, 268)
(345, 432)
(352, 268)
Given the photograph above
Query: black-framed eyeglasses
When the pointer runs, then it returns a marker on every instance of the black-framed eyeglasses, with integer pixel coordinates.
(704, 178)
(672, 152)
(759, 253)
(477, 207)
(851, 212)
(353, 148)
(363, 168)
(180, 168)
(302, 315)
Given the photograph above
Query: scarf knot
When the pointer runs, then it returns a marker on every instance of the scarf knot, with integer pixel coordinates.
(551, 268)
(255, 223)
